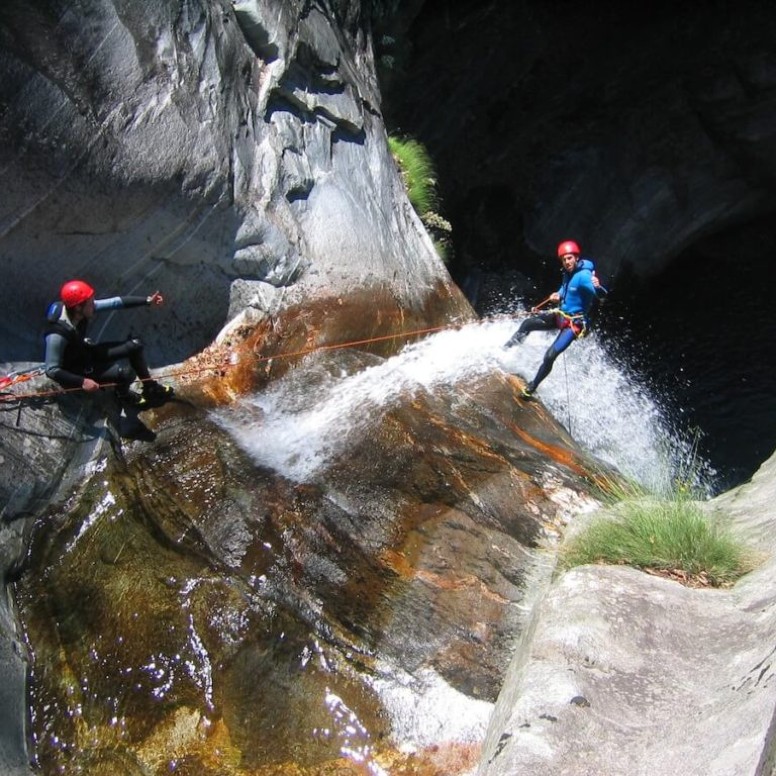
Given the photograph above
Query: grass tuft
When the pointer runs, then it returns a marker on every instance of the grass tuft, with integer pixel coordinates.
(417, 171)
(671, 537)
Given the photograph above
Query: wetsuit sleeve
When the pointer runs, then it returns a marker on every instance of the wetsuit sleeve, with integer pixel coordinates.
(55, 352)
(121, 302)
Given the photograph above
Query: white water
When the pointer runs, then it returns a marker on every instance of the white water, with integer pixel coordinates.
(298, 425)
(301, 422)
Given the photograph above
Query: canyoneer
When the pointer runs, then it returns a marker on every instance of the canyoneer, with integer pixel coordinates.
(74, 361)
(580, 287)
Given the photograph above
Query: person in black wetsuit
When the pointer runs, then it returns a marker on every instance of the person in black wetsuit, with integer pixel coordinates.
(74, 361)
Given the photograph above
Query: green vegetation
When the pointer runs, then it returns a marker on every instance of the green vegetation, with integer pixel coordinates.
(417, 172)
(669, 537)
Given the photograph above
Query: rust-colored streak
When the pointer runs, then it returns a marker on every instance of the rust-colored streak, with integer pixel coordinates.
(397, 563)
(403, 567)
(560, 454)
(453, 584)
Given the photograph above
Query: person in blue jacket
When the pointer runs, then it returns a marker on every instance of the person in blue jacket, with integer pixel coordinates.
(74, 361)
(579, 289)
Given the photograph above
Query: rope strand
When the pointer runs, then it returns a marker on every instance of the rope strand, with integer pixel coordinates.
(9, 397)
(12, 397)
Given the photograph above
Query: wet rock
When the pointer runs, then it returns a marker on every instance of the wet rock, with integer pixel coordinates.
(190, 588)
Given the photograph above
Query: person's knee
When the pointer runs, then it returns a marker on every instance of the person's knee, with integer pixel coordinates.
(134, 345)
(125, 374)
(550, 355)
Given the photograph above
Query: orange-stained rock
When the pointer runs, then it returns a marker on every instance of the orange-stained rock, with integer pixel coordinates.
(294, 618)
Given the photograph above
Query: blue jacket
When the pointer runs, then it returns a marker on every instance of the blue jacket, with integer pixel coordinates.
(577, 292)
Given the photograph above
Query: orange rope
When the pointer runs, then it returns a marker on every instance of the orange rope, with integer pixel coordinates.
(11, 397)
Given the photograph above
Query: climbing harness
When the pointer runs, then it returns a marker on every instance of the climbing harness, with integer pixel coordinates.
(577, 323)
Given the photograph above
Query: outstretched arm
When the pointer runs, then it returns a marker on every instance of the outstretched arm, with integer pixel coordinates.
(121, 302)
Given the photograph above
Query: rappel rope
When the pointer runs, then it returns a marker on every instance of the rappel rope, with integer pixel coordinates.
(14, 378)
(18, 377)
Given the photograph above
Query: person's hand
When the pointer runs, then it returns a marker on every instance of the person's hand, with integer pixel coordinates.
(596, 281)
(90, 385)
(555, 297)
(156, 298)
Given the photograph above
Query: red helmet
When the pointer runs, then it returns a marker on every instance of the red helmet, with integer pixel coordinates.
(75, 292)
(569, 246)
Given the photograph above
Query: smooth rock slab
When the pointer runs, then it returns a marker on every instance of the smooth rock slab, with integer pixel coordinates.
(628, 673)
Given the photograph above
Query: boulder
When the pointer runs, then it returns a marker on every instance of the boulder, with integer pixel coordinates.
(622, 671)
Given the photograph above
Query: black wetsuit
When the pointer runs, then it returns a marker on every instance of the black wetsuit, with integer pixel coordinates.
(71, 357)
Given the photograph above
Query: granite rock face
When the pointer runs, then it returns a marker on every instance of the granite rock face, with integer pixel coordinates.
(625, 671)
(193, 147)
(637, 132)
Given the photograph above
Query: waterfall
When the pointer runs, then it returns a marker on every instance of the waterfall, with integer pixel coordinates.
(302, 423)
(299, 423)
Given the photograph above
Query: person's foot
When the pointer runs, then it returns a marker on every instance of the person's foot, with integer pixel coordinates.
(129, 399)
(528, 393)
(516, 339)
(135, 430)
(155, 394)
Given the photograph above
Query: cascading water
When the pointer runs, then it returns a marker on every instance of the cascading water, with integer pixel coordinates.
(298, 424)
(301, 425)
(356, 593)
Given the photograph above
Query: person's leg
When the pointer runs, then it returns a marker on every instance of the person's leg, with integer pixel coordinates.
(541, 322)
(138, 362)
(112, 373)
(132, 350)
(565, 337)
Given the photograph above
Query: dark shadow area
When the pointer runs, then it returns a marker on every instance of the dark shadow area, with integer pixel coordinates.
(556, 88)
(702, 334)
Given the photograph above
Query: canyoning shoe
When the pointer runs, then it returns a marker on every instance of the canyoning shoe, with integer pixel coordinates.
(155, 393)
(129, 399)
(528, 393)
(136, 431)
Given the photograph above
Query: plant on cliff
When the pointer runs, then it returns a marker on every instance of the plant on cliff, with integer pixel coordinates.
(417, 172)
(669, 537)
